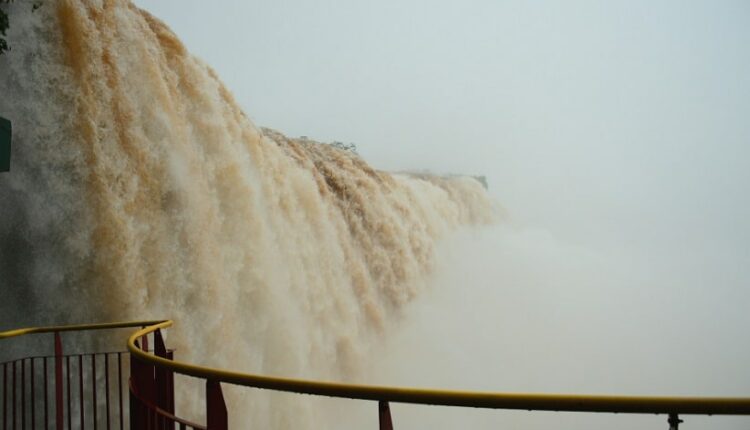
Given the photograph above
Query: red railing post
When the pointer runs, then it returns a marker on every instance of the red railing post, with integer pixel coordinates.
(46, 395)
(5, 396)
(106, 387)
(13, 389)
(141, 385)
(33, 396)
(58, 382)
(23, 393)
(216, 409)
(135, 421)
(384, 411)
(70, 397)
(164, 377)
(119, 390)
(82, 423)
(93, 388)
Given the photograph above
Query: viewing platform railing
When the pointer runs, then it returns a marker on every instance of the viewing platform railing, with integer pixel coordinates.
(26, 400)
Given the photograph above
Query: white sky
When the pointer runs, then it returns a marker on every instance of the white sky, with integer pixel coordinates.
(618, 128)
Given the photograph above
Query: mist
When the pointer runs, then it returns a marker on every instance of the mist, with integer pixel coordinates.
(518, 310)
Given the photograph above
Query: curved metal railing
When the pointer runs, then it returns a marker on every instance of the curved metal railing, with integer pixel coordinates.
(152, 389)
(671, 406)
(65, 390)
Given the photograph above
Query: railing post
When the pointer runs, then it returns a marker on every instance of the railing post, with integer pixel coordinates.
(142, 385)
(164, 378)
(674, 421)
(216, 409)
(5, 396)
(384, 411)
(58, 382)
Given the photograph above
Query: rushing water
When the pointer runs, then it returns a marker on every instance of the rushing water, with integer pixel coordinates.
(140, 189)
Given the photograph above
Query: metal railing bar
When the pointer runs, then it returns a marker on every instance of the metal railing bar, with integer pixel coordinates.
(5, 396)
(33, 397)
(93, 388)
(82, 425)
(23, 394)
(58, 372)
(14, 396)
(70, 401)
(106, 387)
(119, 391)
(46, 395)
(518, 401)
(75, 327)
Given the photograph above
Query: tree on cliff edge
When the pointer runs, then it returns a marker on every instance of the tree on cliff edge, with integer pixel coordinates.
(5, 23)
(3, 28)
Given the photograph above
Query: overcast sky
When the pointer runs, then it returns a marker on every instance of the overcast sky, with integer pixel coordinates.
(621, 129)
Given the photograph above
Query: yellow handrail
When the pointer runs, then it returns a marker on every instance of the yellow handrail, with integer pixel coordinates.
(76, 327)
(541, 402)
(522, 401)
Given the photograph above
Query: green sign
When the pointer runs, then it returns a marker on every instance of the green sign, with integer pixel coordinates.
(5, 133)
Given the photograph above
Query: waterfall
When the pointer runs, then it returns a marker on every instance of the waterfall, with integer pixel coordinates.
(140, 189)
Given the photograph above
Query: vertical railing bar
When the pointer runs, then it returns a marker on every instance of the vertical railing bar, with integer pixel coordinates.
(106, 385)
(23, 393)
(384, 416)
(119, 392)
(70, 398)
(59, 421)
(33, 397)
(216, 408)
(14, 396)
(5, 396)
(132, 405)
(46, 395)
(93, 386)
(80, 390)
